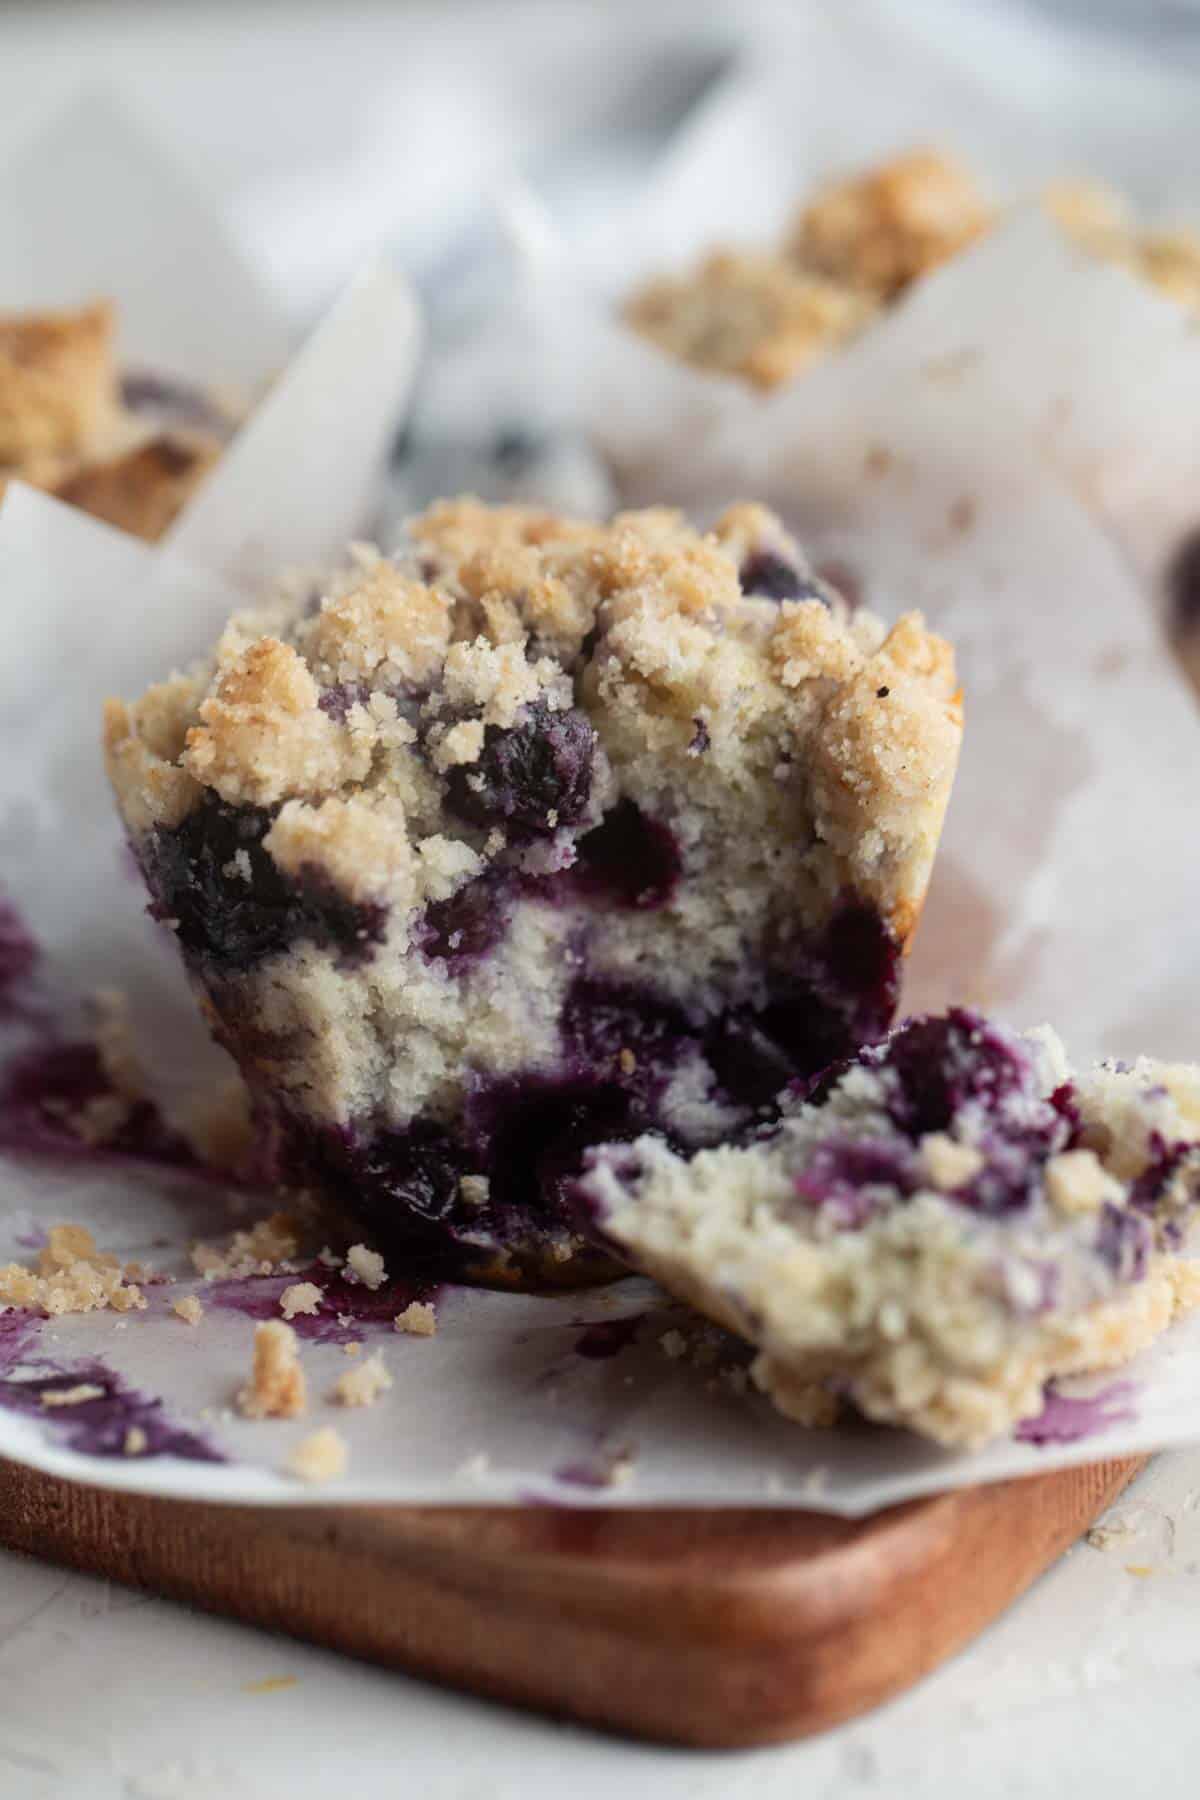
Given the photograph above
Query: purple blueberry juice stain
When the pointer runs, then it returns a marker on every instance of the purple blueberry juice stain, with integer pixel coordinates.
(608, 1337)
(629, 860)
(45, 1090)
(19, 957)
(19, 1331)
(595, 1472)
(1067, 1419)
(258, 1296)
(337, 702)
(100, 1425)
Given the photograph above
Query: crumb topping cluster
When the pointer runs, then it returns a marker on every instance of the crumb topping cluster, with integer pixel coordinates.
(766, 315)
(130, 453)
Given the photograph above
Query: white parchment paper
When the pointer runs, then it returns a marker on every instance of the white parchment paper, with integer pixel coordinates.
(1068, 888)
(92, 205)
(1023, 100)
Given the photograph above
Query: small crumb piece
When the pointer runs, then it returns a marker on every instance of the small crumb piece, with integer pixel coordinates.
(322, 1456)
(277, 1388)
(135, 1442)
(188, 1309)
(271, 1684)
(301, 1297)
(673, 1344)
(473, 1190)
(352, 1349)
(363, 1384)
(71, 1276)
(345, 1320)
(418, 1319)
(72, 1396)
(1077, 1182)
(947, 1163)
(259, 1251)
(628, 1062)
(367, 1265)
(1141, 1570)
(328, 1259)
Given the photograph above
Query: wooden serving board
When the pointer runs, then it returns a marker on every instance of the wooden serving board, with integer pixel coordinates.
(701, 1628)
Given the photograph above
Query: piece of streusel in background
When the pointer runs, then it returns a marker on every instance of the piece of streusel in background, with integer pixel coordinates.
(946, 1223)
(881, 230)
(536, 835)
(129, 448)
(748, 313)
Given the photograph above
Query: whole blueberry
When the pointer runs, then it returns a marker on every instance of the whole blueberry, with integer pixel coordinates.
(530, 777)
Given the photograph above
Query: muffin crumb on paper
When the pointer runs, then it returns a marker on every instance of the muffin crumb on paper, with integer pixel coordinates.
(277, 1388)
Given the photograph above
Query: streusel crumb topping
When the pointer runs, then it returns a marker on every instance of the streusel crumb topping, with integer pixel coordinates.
(70, 1275)
(277, 1388)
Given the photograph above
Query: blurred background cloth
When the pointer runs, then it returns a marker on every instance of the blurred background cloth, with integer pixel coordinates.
(329, 128)
(482, 142)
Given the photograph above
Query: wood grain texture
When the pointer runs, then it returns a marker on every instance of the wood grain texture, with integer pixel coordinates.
(700, 1628)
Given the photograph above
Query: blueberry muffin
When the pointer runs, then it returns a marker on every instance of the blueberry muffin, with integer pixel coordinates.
(129, 449)
(935, 1230)
(535, 835)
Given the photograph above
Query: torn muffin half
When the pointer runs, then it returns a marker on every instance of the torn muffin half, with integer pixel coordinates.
(940, 1227)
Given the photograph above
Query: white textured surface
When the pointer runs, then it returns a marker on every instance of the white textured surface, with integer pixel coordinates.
(1088, 1683)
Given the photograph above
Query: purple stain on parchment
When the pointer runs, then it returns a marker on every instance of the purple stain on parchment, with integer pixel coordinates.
(45, 1096)
(102, 1423)
(20, 955)
(258, 1296)
(594, 1472)
(18, 1333)
(1065, 1419)
(608, 1337)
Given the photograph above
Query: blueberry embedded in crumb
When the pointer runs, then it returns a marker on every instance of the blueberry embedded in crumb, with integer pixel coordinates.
(700, 738)
(337, 702)
(228, 903)
(628, 860)
(1123, 1242)
(467, 925)
(941, 1063)
(532, 777)
(772, 577)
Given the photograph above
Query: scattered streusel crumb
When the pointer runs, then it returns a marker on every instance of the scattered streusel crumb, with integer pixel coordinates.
(673, 1344)
(301, 1297)
(352, 1349)
(418, 1319)
(363, 1384)
(72, 1396)
(189, 1309)
(258, 1251)
(367, 1265)
(71, 1276)
(271, 1684)
(135, 1441)
(277, 1388)
(322, 1456)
